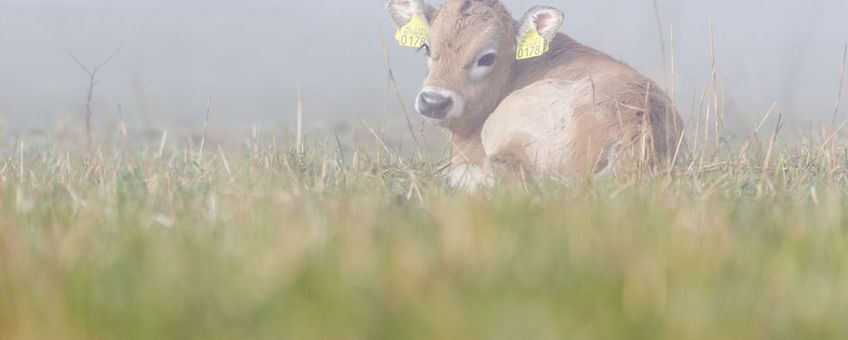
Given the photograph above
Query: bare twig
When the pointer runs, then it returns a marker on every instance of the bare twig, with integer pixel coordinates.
(393, 83)
(92, 82)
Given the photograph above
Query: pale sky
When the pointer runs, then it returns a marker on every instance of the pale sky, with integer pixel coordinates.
(249, 56)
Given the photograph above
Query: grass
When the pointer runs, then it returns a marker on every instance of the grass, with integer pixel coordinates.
(279, 241)
(264, 242)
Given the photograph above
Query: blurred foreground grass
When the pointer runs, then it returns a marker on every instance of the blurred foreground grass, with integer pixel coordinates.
(265, 243)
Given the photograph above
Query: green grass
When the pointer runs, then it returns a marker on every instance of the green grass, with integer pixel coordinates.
(269, 244)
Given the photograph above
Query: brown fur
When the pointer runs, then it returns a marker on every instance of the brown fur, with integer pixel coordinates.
(572, 110)
(620, 106)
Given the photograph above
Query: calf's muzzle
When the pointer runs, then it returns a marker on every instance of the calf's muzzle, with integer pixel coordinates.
(434, 103)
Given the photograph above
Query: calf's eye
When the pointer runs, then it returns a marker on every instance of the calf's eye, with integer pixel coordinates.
(487, 60)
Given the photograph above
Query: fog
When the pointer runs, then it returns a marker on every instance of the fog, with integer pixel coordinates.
(250, 55)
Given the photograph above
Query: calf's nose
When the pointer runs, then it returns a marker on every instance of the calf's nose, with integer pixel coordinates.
(433, 104)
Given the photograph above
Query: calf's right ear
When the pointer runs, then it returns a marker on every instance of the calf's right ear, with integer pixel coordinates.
(543, 19)
(536, 30)
(402, 11)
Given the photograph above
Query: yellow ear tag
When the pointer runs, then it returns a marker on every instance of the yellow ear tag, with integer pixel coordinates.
(531, 45)
(414, 33)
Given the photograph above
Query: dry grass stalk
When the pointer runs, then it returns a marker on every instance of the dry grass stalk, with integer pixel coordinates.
(299, 131)
(205, 129)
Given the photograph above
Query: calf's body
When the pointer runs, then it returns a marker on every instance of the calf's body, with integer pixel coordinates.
(571, 111)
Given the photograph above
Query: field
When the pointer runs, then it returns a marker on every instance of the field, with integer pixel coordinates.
(270, 240)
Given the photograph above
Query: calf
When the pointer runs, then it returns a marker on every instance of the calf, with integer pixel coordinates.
(521, 95)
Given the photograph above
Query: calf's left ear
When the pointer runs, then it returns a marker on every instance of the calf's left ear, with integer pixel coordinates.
(545, 20)
(402, 11)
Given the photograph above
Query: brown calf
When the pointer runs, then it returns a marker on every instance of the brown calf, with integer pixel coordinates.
(521, 94)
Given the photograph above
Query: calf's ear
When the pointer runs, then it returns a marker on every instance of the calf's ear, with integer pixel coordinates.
(402, 11)
(545, 20)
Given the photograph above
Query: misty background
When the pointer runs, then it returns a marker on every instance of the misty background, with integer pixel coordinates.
(249, 56)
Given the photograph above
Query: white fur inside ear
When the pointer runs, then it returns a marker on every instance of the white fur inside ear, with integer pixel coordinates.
(402, 11)
(544, 19)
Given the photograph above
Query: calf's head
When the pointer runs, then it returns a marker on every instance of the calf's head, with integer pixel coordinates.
(471, 49)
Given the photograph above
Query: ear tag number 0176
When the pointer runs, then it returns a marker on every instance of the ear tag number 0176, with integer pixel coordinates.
(414, 33)
(531, 45)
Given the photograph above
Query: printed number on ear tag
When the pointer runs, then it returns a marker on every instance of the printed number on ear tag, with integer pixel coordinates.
(531, 45)
(414, 33)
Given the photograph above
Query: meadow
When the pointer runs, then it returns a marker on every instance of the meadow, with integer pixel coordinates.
(311, 236)
(274, 239)
(116, 233)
